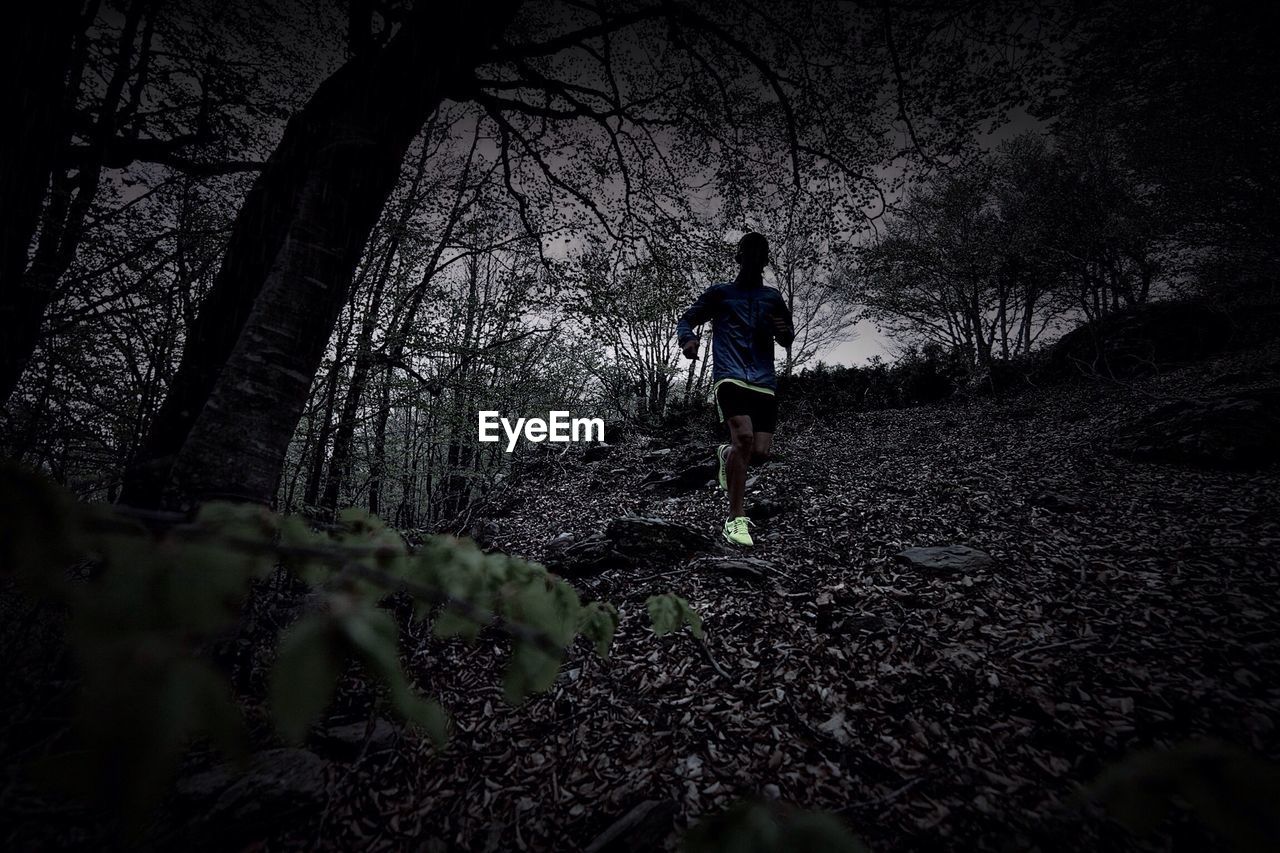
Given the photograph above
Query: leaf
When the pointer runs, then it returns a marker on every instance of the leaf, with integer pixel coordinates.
(205, 584)
(426, 714)
(530, 670)
(757, 827)
(664, 614)
(550, 607)
(598, 622)
(140, 717)
(305, 674)
(450, 623)
(253, 527)
(373, 635)
(39, 533)
(358, 520)
(1232, 792)
(296, 533)
(669, 613)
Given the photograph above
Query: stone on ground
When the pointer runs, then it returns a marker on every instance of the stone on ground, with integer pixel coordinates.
(751, 568)
(947, 559)
(344, 742)
(643, 828)
(281, 787)
(626, 541)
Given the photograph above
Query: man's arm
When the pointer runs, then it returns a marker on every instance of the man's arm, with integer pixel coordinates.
(784, 330)
(702, 310)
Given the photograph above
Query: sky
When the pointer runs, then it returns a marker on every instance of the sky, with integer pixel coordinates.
(868, 341)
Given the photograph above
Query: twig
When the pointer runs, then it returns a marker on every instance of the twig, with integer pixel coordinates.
(706, 653)
(515, 630)
(1044, 648)
(886, 798)
(342, 556)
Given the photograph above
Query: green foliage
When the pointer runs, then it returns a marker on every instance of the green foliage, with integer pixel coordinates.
(669, 613)
(306, 670)
(756, 827)
(1231, 792)
(373, 634)
(38, 528)
(163, 591)
(598, 622)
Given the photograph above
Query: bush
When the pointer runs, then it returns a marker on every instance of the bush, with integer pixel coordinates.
(163, 590)
(1141, 341)
(824, 388)
(929, 374)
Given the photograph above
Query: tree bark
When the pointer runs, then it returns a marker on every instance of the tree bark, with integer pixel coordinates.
(243, 383)
(38, 57)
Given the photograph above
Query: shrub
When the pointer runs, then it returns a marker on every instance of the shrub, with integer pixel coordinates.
(162, 589)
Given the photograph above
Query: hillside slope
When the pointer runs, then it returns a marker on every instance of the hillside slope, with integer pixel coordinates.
(1127, 605)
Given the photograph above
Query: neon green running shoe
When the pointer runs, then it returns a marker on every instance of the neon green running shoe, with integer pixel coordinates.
(736, 533)
(720, 454)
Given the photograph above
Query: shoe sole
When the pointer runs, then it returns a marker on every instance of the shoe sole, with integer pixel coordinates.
(726, 538)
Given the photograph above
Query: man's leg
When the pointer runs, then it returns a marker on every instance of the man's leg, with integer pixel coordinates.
(760, 449)
(738, 457)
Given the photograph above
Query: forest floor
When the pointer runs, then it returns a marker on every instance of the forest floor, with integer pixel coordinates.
(1127, 605)
(930, 711)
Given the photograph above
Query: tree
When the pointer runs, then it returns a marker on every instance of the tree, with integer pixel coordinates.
(1185, 93)
(630, 302)
(932, 276)
(99, 90)
(620, 94)
(254, 349)
(803, 230)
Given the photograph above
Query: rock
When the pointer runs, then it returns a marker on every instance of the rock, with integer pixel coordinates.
(690, 466)
(1056, 502)
(574, 558)
(345, 742)
(625, 542)
(689, 477)
(559, 543)
(638, 536)
(1240, 432)
(597, 452)
(750, 568)
(640, 830)
(281, 787)
(947, 559)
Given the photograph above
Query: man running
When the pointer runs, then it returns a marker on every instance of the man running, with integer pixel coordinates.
(746, 318)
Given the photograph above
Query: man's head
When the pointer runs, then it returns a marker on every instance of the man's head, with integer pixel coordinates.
(753, 252)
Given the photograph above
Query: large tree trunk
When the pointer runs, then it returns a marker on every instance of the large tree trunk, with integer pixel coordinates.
(37, 62)
(249, 363)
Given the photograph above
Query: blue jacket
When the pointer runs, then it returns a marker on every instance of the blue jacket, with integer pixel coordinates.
(742, 329)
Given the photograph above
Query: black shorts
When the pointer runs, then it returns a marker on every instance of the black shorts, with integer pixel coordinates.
(762, 408)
